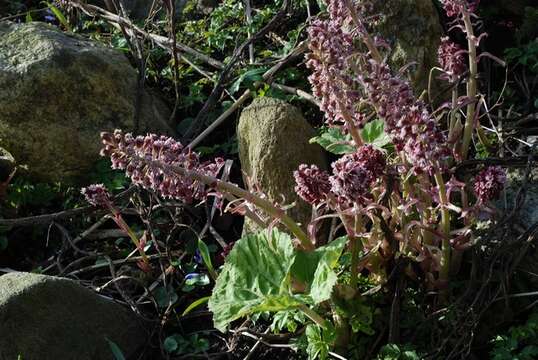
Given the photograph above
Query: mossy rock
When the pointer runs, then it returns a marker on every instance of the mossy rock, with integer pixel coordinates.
(273, 141)
(44, 317)
(413, 29)
(59, 91)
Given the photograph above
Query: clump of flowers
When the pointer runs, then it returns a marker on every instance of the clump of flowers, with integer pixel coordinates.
(131, 154)
(396, 201)
(312, 184)
(451, 58)
(97, 195)
(489, 183)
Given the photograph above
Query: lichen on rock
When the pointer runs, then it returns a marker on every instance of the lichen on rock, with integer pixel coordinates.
(59, 91)
(273, 141)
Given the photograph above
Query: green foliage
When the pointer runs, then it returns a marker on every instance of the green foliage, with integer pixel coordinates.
(374, 133)
(524, 55)
(115, 349)
(520, 342)
(193, 344)
(204, 253)
(59, 15)
(397, 352)
(315, 269)
(257, 277)
(334, 141)
(320, 341)
(165, 296)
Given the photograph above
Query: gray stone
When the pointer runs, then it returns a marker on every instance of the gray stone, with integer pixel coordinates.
(413, 29)
(273, 141)
(44, 317)
(7, 164)
(59, 91)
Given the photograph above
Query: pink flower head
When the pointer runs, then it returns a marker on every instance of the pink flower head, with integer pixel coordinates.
(354, 173)
(312, 183)
(489, 183)
(456, 7)
(96, 195)
(412, 129)
(451, 59)
(138, 157)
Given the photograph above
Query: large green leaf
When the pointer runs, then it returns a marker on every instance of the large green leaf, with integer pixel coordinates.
(315, 269)
(255, 278)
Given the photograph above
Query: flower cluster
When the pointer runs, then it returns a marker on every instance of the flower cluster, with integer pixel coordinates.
(331, 48)
(97, 195)
(143, 157)
(489, 183)
(312, 183)
(407, 121)
(353, 174)
(451, 59)
(456, 7)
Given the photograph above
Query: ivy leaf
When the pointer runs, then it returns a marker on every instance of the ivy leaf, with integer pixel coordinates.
(315, 269)
(374, 133)
(255, 278)
(332, 140)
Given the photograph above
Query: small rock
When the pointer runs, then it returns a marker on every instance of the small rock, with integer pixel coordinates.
(7, 164)
(44, 317)
(273, 141)
(59, 91)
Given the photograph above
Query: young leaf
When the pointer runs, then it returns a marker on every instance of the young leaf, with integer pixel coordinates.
(204, 252)
(332, 140)
(320, 341)
(255, 278)
(315, 269)
(195, 304)
(374, 133)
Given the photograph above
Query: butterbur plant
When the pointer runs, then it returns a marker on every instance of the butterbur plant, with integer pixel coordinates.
(97, 195)
(398, 200)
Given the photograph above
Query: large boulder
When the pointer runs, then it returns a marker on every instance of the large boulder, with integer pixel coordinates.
(413, 30)
(273, 141)
(44, 317)
(59, 91)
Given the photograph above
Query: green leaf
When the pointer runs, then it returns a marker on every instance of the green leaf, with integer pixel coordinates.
(116, 351)
(170, 344)
(204, 252)
(255, 278)
(320, 341)
(315, 269)
(165, 296)
(249, 77)
(195, 304)
(332, 140)
(374, 133)
(59, 15)
(28, 18)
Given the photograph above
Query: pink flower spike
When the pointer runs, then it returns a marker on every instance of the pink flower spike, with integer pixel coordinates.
(489, 183)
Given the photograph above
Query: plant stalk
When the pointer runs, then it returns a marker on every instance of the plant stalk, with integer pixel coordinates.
(471, 85)
(445, 229)
(235, 190)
